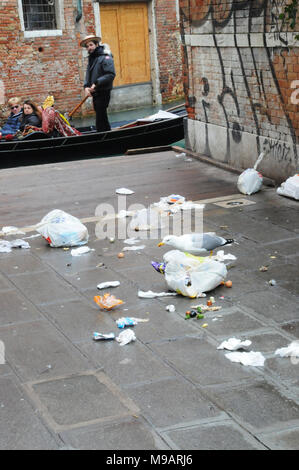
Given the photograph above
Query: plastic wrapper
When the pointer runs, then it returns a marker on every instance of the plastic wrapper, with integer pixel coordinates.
(190, 275)
(290, 187)
(125, 337)
(126, 321)
(100, 336)
(130, 321)
(62, 229)
(107, 301)
(104, 285)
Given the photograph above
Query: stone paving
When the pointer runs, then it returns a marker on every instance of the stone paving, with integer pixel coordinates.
(171, 388)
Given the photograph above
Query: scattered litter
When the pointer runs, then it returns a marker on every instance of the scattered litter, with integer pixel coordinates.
(221, 257)
(251, 181)
(193, 314)
(62, 229)
(205, 325)
(150, 294)
(134, 248)
(124, 191)
(99, 336)
(292, 350)
(170, 308)
(104, 285)
(147, 219)
(206, 308)
(123, 213)
(111, 239)
(290, 187)
(132, 241)
(191, 275)
(6, 246)
(272, 282)
(251, 358)
(263, 269)
(182, 154)
(121, 255)
(8, 230)
(126, 337)
(80, 251)
(130, 321)
(107, 301)
(233, 344)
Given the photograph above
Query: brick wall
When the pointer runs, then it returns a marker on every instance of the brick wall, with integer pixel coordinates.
(169, 49)
(34, 67)
(241, 63)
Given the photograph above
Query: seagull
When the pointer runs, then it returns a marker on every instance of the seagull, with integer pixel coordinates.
(196, 243)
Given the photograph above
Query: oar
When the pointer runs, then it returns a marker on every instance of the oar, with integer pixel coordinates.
(78, 106)
(135, 122)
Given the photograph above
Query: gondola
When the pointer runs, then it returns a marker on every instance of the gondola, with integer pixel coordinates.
(38, 148)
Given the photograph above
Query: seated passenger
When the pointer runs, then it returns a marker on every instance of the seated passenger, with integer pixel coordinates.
(12, 123)
(31, 116)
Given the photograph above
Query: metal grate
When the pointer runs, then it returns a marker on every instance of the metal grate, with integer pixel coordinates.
(39, 14)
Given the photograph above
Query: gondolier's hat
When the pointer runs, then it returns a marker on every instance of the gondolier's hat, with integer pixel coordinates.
(90, 37)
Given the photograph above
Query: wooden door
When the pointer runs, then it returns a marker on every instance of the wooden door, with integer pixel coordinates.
(124, 27)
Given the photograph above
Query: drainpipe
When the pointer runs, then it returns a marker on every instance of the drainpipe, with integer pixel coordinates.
(79, 11)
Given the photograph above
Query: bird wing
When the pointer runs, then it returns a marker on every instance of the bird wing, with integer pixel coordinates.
(207, 241)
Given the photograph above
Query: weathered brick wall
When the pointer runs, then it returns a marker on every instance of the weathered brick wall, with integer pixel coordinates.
(34, 67)
(242, 63)
(169, 49)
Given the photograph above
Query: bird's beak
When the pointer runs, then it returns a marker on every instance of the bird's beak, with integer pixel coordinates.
(161, 244)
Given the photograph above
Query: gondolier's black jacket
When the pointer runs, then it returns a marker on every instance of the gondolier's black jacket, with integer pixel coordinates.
(100, 70)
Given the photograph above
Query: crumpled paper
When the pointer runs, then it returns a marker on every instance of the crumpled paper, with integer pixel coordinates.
(252, 358)
(233, 344)
(292, 350)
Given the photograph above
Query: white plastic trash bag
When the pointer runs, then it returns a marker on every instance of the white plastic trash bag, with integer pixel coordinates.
(62, 229)
(290, 187)
(192, 275)
(250, 181)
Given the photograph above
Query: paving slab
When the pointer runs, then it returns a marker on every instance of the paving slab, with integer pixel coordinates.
(271, 406)
(129, 364)
(5, 284)
(21, 428)
(161, 406)
(44, 287)
(73, 401)
(224, 435)
(122, 434)
(276, 307)
(292, 328)
(37, 348)
(16, 308)
(286, 440)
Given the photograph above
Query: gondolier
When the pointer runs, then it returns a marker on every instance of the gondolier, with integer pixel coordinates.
(99, 78)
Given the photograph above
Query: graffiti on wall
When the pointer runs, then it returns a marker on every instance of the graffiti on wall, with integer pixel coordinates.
(268, 70)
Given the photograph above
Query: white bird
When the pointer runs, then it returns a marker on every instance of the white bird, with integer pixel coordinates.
(196, 243)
